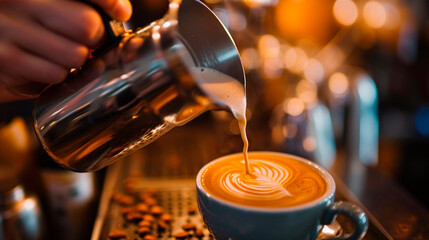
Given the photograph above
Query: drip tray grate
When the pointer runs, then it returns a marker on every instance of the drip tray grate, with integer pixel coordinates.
(171, 203)
(174, 200)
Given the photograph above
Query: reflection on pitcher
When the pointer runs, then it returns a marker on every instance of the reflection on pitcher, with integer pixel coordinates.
(137, 91)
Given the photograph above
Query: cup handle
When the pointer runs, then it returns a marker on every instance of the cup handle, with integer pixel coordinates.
(355, 213)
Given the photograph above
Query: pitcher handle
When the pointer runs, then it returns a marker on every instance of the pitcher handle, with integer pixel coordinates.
(355, 213)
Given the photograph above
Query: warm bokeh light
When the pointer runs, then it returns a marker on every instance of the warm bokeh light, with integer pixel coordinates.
(16, 151)
(259, 3)
(156, 36)
(237, 21)
(314, 71)
(233, 128)
(290, 58)
(305, 19)
(309, 144)
(345, 12)
(250, 58)
(269, 46)
(393, 16)
(15, 137)
(173, 9)
(374, 14)
(306, 91)
(273, 68)
(295, 59)
(269, 50)
(294, 106)
(277, 135)
(29, 204)
(332, 57)
(338, 83)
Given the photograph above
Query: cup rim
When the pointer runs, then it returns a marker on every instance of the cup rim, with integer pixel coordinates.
(330, 183)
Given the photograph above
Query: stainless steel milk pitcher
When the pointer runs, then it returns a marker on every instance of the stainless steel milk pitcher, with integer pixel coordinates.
(136, 90)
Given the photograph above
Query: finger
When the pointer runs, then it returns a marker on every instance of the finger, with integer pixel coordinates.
(24, 67)
(6, 95)
(24, 89)
(118, 9)
(75, 20)
(41, 42)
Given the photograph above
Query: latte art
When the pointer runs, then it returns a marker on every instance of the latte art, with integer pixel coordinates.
(265, 181)
(274, 181)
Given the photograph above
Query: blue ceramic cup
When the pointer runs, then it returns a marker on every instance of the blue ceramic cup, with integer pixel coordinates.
(231, 221)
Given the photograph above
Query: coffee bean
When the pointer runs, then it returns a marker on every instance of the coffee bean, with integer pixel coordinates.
(162, 225)
(142, 208)
(115, 196)
(145, 224)
(199, 233)
(125, 200)
(189, 226)
(134, 217)
(117, 234)
(156, 210)
(192, 210)
(144, 195)
(122, 199)
(150, 201)
(148, 218)
(181, 235)
(167, 218)
(150, 237)
(130, 186)
(126, 210)
(143, 231)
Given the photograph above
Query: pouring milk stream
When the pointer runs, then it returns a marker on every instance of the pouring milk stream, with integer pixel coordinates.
(227, 91)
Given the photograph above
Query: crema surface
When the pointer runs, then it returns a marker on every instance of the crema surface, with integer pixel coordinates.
(275, 181)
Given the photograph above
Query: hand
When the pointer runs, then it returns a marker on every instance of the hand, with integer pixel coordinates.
(41, 40)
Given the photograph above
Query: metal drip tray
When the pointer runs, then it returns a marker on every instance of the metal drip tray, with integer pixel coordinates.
(178, 199)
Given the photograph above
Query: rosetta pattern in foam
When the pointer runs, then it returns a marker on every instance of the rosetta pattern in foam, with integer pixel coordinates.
(274, 181)
(265, 183)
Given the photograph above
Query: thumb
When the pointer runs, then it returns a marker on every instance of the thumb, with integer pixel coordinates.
(120, 10)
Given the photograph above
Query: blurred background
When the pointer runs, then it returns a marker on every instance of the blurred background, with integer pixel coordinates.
(326, 79)
(356, 67)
